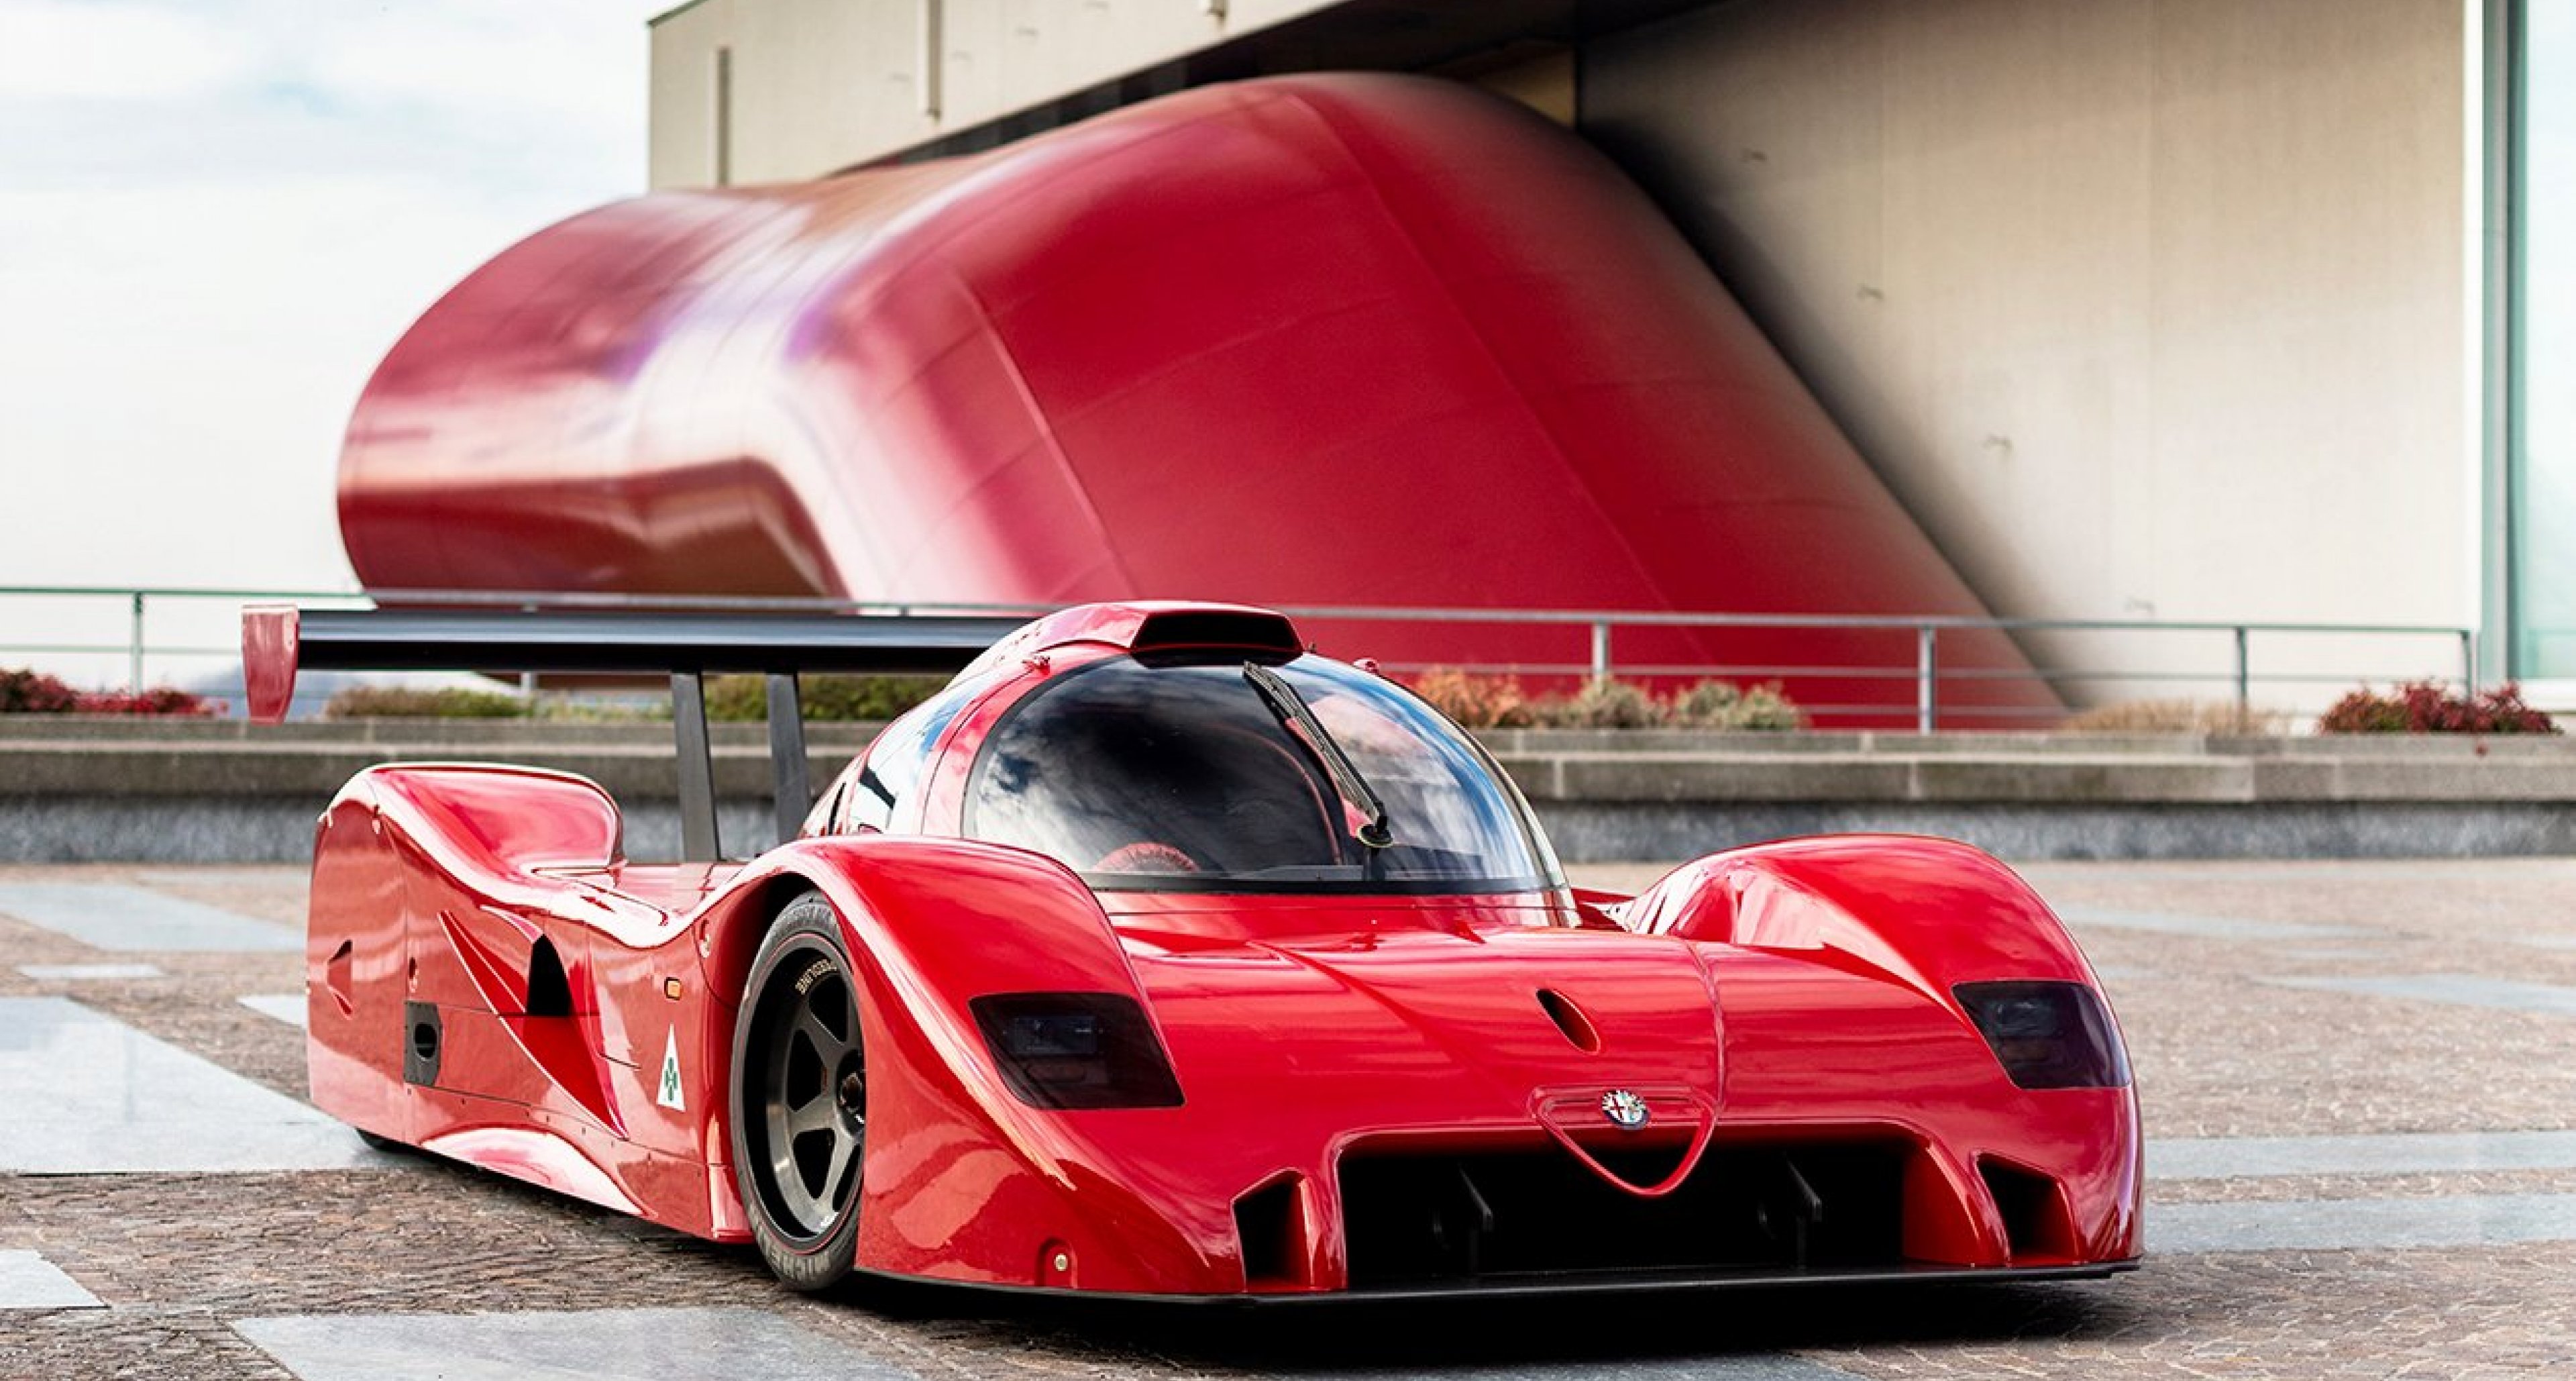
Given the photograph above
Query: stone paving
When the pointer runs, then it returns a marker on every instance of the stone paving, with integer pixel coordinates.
(2363, 1076)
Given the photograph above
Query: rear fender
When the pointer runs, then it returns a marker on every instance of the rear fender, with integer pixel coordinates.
(424, 892)
(475, 819)
(354, 967)
(477, 837)
(962, 1181)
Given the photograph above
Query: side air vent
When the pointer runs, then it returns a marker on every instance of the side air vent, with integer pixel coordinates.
(1570, 1019)
(549, 991)
(339, 978)
(1271, 1225)
(1245, 629)
(2035, 1222)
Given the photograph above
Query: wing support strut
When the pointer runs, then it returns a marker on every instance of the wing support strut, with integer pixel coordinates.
(277, 641)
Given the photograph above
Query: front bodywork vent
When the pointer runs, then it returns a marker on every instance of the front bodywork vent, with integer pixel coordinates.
(1571, 1020)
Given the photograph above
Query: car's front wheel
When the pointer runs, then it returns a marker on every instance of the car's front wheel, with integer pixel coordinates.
(800, 1114)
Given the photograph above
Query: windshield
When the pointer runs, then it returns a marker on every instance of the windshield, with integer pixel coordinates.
(1188, 778)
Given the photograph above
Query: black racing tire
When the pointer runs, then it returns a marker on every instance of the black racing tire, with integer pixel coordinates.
(386, 1144)
(800, 1098)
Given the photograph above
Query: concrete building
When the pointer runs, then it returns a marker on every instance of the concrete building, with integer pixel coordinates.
(2171, 309)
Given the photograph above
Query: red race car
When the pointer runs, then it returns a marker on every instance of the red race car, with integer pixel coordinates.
(1160, 956)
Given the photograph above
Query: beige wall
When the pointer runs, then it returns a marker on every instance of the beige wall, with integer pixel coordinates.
(804, 76)
(2147, 308)
(820, 85)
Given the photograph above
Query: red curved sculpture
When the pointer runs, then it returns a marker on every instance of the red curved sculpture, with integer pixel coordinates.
(1310, 341)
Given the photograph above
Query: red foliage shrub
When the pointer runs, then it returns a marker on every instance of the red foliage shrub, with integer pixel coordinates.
(2421, 707)
(161, 700)
(33, 692)
(1476, 701)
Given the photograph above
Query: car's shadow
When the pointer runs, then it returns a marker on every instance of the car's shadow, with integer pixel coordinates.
(1521, 1336)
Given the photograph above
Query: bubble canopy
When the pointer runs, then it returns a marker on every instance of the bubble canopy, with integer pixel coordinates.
(1157, 774)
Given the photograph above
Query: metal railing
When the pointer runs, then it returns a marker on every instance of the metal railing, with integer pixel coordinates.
(2443, 653)
(1926, 671)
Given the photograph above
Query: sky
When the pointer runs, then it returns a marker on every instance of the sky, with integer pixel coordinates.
(217, 215)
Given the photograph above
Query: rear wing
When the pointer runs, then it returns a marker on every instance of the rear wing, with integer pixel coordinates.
(277, 642)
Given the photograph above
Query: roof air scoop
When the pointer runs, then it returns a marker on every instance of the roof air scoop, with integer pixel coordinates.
(1254, 630)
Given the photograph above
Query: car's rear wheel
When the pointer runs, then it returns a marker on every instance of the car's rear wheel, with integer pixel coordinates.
(800, 1082)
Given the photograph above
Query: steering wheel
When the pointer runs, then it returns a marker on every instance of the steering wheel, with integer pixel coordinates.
(1146, 856)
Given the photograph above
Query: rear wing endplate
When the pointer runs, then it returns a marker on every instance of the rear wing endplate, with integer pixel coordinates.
(277, 642)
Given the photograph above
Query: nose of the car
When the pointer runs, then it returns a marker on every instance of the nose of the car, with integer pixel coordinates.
(1397, 1025)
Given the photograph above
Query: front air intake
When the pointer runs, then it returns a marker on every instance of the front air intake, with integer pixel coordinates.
(1508, 1216)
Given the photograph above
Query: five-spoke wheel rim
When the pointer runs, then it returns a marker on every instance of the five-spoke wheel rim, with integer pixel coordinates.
(808, 1087)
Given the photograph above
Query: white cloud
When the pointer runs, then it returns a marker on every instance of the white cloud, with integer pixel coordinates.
(215, 218)
(74, 51)
(512, 61)
(178, 419)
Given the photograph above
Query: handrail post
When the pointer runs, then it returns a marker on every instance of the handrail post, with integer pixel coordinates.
(528, 679)
(1927, 679)
(134, 649)
(2244, 679)
(2469, 662)
(1601, 652)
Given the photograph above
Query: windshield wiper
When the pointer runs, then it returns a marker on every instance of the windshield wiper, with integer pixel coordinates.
(1293, 711)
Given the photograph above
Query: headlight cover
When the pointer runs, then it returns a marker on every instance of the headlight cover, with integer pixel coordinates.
(1076, 1050)
(2047, 1034)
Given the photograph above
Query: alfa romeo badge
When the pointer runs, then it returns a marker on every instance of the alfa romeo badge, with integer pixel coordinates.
(1626, 1111)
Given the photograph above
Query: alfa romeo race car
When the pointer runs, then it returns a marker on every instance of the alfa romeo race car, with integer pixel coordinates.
(1159, 955)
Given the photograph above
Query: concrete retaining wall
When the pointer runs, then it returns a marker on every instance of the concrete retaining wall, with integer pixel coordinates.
(140, 790)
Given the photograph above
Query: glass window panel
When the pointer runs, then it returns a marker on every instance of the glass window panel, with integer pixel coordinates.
(2544, 510)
